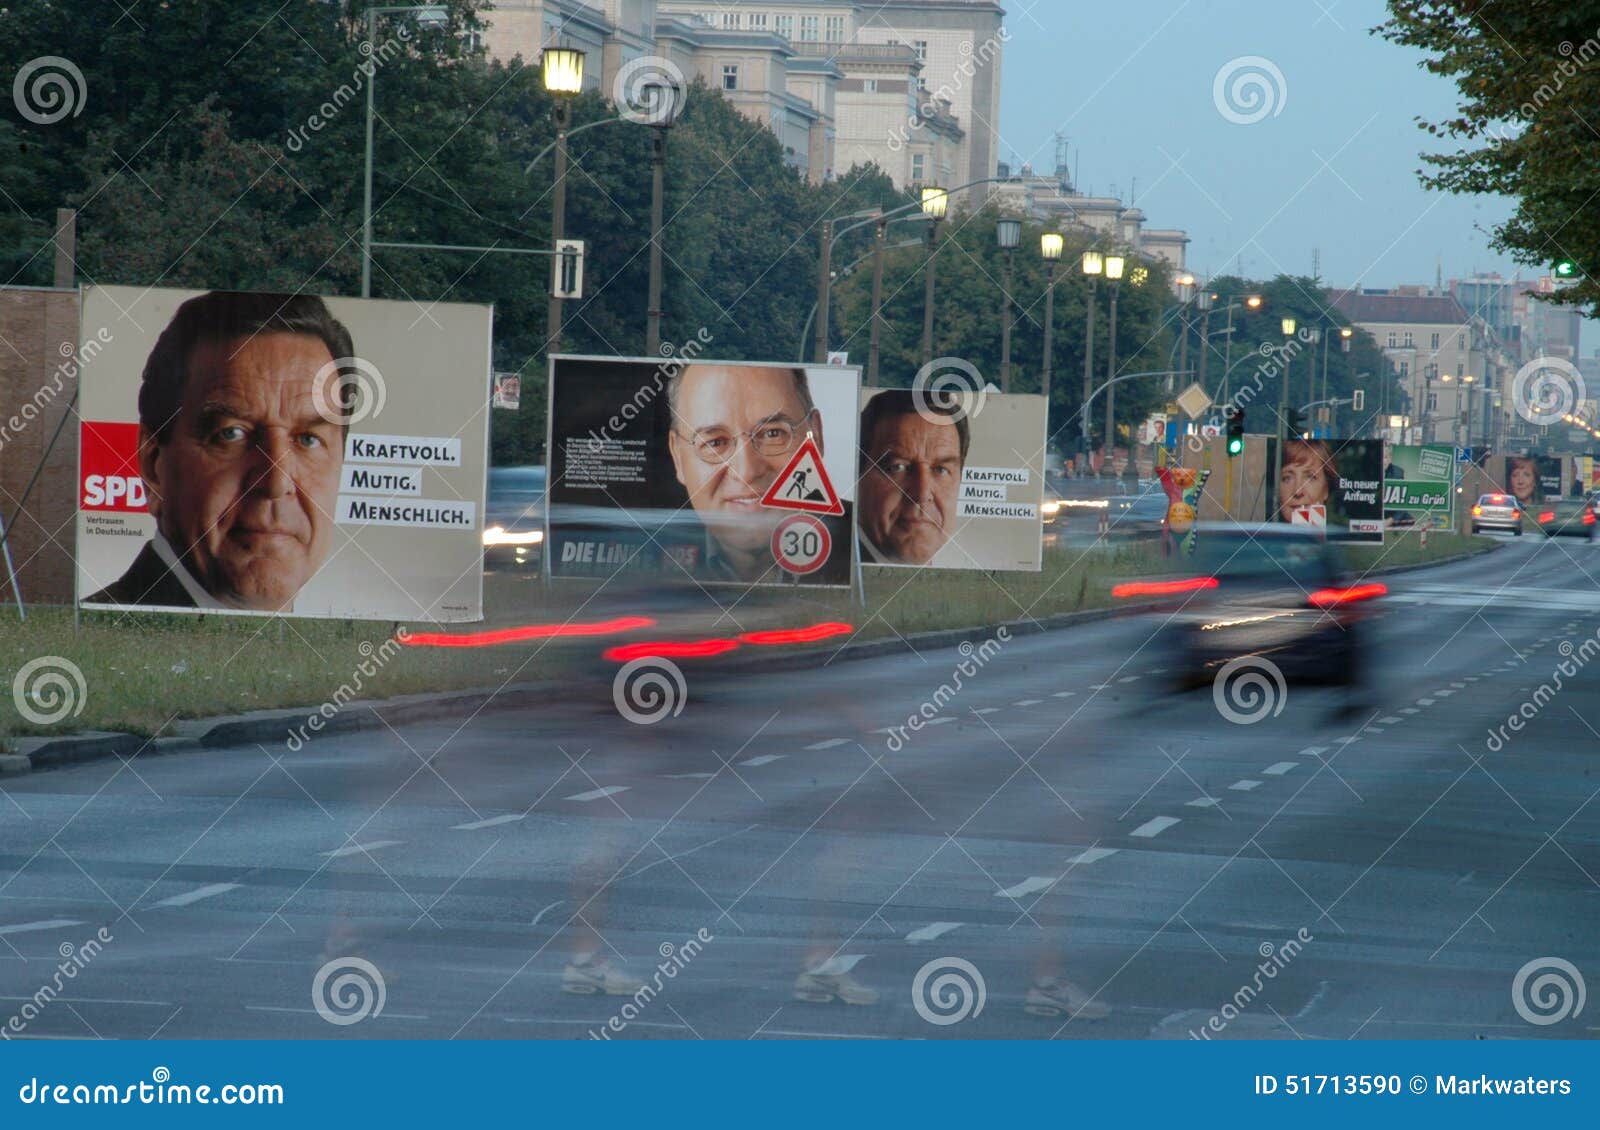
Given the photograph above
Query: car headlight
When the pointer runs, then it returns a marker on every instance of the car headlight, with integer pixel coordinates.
(1050, 509)
(499, 535)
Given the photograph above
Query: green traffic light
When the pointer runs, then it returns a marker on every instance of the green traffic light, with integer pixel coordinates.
(1566, 269)
(1235, 446)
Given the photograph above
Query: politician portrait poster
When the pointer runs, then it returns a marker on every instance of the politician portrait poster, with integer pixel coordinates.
(697, 470)
(282, 454)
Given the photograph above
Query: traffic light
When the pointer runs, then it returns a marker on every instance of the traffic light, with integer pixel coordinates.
(1235, 431)
(1565, 269)
(1295, 425)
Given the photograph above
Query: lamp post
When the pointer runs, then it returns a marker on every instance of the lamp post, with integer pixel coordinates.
(1288, 327)
(1008, 234)
(661, 103)
(429, 15)
(1185, 296)
(1093, 268)
(1203, 300)
(935, 203)
(562, 71)
(1313, 335)
(1050, 244)
(1251, 302)
(1114, 266)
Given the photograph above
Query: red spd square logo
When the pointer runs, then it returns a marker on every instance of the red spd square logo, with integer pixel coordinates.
(109, 460)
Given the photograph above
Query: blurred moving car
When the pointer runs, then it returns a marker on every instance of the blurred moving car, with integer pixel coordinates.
(1141, 515)
(1131, 508)
(1567, 517)
(513, 528)
(1497, 512)
(1275, 598)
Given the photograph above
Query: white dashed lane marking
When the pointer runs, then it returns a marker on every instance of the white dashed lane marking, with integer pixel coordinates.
(1409, 710)
(189, 897)
(488, 822)
(931, 931)
(1389, 720)
(1026, 887)
(598, 794)
(37, 927)
(830, 743)
(1425, 702)
(1244, 786)
(987, 710)
(1202, 802)
(1314, 751)
(1154, 827)
(1280, 768)
(763, 759)
(939, 721)
(1445, 693)
(688, 776)
(360, 849)
(1063, 694)
(1091, 855)
(1027, 702)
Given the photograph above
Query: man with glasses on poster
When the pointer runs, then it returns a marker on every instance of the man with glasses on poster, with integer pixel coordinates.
(734, 430)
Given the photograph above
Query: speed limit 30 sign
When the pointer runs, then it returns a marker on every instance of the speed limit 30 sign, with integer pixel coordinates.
(801, 544)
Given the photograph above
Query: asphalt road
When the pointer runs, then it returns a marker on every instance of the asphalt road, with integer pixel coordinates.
(1065, 813)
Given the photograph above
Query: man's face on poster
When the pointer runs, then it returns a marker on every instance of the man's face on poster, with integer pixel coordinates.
(909, 493)
(245, 485)
(734, 430)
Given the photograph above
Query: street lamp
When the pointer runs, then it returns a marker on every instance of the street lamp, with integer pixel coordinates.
(1008, 234)
(660, 103)
(1114, 265)
(1203, 301)
(935, 204)
(1050, 246)
(1288, 327)
(562, 71)
(428, 15)
(1093, 268)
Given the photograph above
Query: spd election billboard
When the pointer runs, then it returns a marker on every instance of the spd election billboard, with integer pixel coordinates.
(951, 479)
(691, 469)
(1339, 482)
(282, 453)
(1419, 482)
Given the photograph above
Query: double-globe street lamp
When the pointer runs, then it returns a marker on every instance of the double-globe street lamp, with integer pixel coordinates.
(661, 102)
(935, 206)
(561, 69)
(1008, 234)
(1114, 266)
(1050, 247)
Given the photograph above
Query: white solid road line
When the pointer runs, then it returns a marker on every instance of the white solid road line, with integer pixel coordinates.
(829, 743)
(358, 849)
(490, 822)
(763, 759)
(931, 931)
(1092, 855)
(36, 927)
(1202, 802)
(1026, 887)
(1244, 786)
(1154, 827)
(599, 794)
(1280, 768)
(194, 896)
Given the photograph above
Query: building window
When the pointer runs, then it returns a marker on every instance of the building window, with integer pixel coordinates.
(1435, 344)
(1408, 342)
(835, 29)
(1433, 402)
(1405, 369)
(808, 29)
(870, 85)
(758, 21)
(731, 21)
(921, 47)
(1392, 341)
(1461, 341)
(919, 168)
(784, 26)
(1433, 372)
(730, 76)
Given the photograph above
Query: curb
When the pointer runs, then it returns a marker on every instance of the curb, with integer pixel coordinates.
(274, 726)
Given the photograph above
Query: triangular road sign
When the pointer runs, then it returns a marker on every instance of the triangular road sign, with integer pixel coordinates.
(804, 484)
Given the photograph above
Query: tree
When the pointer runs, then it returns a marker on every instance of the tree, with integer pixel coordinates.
(1529, 98)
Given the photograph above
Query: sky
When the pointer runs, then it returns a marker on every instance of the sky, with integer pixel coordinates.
(1331, 167)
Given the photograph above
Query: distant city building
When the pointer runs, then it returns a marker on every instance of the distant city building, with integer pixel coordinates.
(1052, 200)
